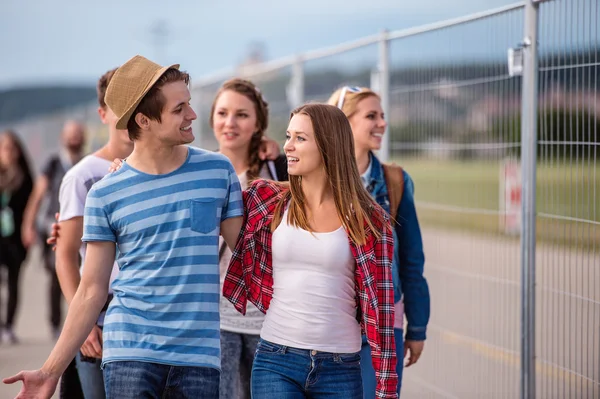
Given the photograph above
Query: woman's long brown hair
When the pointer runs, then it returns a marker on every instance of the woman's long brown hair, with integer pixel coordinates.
(335, 142)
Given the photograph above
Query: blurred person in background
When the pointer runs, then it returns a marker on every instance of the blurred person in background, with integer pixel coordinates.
(16, 184)
(239, 118)
(45, 191)
(393, 189)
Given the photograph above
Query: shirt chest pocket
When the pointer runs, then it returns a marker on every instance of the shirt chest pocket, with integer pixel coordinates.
(203, 215)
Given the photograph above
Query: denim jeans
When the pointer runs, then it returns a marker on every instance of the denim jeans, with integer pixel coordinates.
(70, 387)
(144, 380)
(90, 377)
(368, 373)
(54, 291)
(237, 355)
(288, 373)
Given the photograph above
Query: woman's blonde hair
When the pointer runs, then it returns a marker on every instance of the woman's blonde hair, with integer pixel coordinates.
(351, 97)
(333, 136)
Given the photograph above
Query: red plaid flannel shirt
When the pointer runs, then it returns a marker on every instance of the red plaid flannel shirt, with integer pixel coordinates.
(250, 277)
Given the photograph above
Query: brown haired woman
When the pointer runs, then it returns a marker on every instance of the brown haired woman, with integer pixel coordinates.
(239, 117)
(16, 185)
(315, 255)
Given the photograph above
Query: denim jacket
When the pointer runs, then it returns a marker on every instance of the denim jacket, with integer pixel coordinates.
(409, 259)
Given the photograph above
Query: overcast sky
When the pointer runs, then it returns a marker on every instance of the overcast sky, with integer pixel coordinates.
(75, 41)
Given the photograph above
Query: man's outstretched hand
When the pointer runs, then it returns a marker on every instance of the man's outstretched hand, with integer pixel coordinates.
(37, 384)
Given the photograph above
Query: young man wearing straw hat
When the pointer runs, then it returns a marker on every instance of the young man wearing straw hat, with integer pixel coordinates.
(165, 209)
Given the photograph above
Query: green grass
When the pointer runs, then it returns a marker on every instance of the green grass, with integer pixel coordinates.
(564, 189)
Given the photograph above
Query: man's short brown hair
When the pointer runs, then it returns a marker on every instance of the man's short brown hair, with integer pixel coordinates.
(154, 101)
(102, 85)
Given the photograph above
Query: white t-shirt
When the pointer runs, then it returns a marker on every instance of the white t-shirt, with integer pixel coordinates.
(231, 319)
(314, 295)
(73, 191)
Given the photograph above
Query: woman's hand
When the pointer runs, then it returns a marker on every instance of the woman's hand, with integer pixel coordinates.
(115, 165)
(54, 233)
(269, 149)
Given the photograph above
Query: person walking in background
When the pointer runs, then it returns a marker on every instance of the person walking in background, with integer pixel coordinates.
(45, 191)
(315, 256)
(16, 184)
(393, 189)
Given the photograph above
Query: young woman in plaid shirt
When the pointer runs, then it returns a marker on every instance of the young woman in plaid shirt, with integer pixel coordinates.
(315, 255)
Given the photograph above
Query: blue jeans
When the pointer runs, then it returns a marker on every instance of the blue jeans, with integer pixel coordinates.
(288, 373)
(237, 355)
(90, 377)
(368, 373)
(133, 380)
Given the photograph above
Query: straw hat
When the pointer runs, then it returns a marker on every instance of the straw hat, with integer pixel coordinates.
(130, 83)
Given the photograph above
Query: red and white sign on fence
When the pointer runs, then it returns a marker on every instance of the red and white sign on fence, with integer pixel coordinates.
(510, 196)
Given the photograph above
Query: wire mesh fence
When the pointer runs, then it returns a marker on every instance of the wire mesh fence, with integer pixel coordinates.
(568, 260)
(450, 121)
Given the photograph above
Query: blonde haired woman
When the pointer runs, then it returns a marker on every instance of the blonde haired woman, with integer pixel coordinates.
(362, 107)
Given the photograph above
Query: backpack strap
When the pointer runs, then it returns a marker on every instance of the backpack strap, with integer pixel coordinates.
(277, 168)
(280, 165)
(272, 170)
(394, 180)
(53, 166)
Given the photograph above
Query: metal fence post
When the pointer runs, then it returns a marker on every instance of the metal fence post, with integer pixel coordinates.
(197, 124)
(384, 90)
(295, 88)
(529, 165)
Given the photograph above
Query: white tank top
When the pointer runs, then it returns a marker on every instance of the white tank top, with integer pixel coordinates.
(313, 305)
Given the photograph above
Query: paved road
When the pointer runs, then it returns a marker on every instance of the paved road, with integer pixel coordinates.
(474, 337)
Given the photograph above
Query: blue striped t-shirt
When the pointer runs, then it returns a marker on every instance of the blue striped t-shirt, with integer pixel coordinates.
(166, 227)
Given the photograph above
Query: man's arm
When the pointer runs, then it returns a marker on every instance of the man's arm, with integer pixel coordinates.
(83, 312)
(28, 232)
(85, 305)
(67, 256)
(230, 230)
(233, 211)
(67, 271)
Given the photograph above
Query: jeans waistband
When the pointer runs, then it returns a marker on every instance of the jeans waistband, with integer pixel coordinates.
(277, 348)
